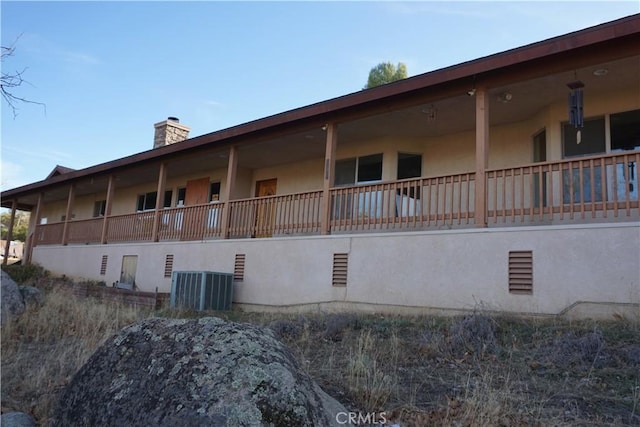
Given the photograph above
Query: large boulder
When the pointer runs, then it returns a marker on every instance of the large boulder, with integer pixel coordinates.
(17, 419)
(12, 302)
(204, 372)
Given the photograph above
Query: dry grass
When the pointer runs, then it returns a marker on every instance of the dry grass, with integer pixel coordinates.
(475, 370)
(43, 348)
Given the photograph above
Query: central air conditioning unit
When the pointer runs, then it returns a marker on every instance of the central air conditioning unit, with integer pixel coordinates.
(201, 290)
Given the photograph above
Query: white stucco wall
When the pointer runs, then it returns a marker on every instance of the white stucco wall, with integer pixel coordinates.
(451, 270)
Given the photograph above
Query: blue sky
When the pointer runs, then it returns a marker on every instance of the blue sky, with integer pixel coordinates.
(107, 71)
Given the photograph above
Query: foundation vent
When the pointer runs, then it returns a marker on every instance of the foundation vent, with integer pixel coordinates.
(340, 266)
(238, 268)
(521, 272)
(103, 265)
(168, 265)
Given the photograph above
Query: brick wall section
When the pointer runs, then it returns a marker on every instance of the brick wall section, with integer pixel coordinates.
(151, 300)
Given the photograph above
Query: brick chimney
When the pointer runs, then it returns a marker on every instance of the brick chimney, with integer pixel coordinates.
(170, 131)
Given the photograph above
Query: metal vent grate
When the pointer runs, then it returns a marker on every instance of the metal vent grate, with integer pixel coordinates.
(238, 268)
(340, 266)
(521, 272)
(168, 265)
(103, 265)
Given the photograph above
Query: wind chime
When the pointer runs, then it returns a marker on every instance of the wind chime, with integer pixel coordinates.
(576, 107)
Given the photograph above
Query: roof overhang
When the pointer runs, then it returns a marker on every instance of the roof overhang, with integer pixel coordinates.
(605, 42)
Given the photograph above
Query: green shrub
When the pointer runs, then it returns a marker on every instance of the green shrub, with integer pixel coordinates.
(25, 274)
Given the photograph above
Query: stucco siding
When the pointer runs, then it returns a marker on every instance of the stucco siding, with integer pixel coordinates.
(451, 270)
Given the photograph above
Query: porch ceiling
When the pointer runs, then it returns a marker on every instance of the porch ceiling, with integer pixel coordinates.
(457, 114)
(453, 114)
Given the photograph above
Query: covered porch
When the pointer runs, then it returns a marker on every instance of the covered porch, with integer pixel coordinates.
(592, 189)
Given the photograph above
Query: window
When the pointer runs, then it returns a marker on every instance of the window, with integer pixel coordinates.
(214, 192)
(625, 135)
(409, 165)
(148, 201)
(625, 130)
(182, 193)
(581, 142)
(407, 199)
(358, 170)
(99, 208)
(587, 140)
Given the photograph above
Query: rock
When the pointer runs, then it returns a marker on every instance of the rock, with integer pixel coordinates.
(204, 372)
(17, 419)
(31, 296)
(11, 304)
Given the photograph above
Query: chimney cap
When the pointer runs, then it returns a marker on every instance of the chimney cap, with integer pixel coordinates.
(173, 119)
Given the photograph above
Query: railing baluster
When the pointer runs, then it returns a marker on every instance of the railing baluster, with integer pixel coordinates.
(582, 189)
(592, 183)
(627, 182)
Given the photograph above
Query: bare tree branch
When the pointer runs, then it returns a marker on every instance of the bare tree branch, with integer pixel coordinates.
(10, 81)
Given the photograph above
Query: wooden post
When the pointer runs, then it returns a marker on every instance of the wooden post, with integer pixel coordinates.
(329, 172)
(232, 170)
(7, 243)
(107, 209)
(31, 240)
(162, 181)
(482, 156)
(67, 216)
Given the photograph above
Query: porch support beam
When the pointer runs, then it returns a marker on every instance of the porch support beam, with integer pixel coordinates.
(329, 172)
(162, 182)
(229, 185)
(107, 209)
(7, 243)
(67, 216)
(31, 239)
(482, 155)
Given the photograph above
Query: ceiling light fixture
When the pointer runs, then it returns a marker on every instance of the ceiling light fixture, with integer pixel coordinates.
(431, 113)
(505, 97)
(600, 72)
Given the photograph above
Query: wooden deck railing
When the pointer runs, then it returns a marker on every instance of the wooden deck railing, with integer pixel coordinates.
(136, 227)
(85, 231)
(276, 215)
(408, 204)
(576, 189)
(48, 234)
(191, 222)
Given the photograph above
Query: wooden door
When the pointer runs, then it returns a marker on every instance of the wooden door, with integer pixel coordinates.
(266, 209)
(197, 193)
(128, 272)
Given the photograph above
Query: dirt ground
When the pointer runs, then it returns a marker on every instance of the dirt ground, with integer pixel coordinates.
(473, 370)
